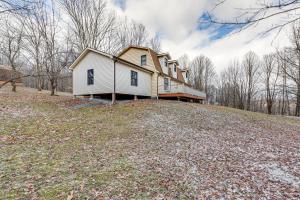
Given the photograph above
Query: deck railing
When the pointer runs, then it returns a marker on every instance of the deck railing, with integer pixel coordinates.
(180, 88)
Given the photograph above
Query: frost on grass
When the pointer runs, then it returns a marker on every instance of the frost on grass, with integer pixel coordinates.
(216, 154)
(143, 150)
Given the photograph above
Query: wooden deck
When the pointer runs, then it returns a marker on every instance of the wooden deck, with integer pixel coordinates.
(180, 95)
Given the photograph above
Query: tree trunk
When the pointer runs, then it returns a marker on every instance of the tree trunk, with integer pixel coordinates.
(39, 81)
(248, 102)
(52, 87)
(269, 107)
(52, 91)
(297, 113)
(14, 86)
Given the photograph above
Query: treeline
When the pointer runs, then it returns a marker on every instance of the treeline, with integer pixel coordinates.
(43, 37)
(269, 84)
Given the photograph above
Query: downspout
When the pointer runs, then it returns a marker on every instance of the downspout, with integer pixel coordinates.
(114, 89)
(157, 87)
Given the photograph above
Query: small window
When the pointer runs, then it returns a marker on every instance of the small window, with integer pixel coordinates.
(174, 68)
(143, 60)
(134, 78)
(166, 62)
(90, 77)
(166, 83)
(186, 75)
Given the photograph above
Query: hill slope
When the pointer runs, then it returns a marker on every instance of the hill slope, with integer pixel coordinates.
(54, 147)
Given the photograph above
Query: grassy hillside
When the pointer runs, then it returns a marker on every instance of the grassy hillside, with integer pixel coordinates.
(59, 147)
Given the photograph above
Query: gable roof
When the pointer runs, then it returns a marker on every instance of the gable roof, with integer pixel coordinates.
(173, 61)
(156, 62)
(164, 54)
(131, 46)
(84, 53)
(87, 50)
(152, 53)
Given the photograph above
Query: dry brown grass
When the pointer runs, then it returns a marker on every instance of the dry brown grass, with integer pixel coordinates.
(143, 150)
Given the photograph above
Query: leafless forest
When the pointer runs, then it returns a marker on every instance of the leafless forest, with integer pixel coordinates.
(41, 38)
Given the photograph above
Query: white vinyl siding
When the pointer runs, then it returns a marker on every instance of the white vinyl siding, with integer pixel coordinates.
(123, 83)
(103, 77)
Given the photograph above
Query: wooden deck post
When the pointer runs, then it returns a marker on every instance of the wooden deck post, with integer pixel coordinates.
(113, 95)
(113, 98)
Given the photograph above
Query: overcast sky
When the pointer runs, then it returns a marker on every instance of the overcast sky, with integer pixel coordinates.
(176, 22)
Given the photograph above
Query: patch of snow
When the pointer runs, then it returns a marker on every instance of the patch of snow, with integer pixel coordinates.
(280, 174)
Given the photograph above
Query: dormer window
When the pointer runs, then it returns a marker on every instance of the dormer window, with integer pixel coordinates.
(174, 68)
(143, 60)
(166, 62)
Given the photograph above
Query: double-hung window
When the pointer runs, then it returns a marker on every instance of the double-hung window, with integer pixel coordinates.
(166, 62)
(143, 60)
(134, 78)
(174, 68)
(90, 77)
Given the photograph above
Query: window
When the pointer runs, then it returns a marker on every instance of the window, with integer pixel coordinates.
(143, 60)
(166, 62)
(186, 75)
(174, 68)
(134, 78)
(166, 83)
(90, 77)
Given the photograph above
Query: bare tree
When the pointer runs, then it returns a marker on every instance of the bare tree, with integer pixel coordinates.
(184, 61)
(234, 73)
(57, 56)
(231, 89)
(261, 11)
(132, 33)
(284, 104)
(270, 72)
(209, 76)
(291, 58)
(91, 23)
(10, 48)
(251, 72)
(154, 43)
(197, 72)
(15, 5)
(202, 74)
(34, 38)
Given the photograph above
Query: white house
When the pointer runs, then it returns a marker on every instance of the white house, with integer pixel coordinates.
(137, 72)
